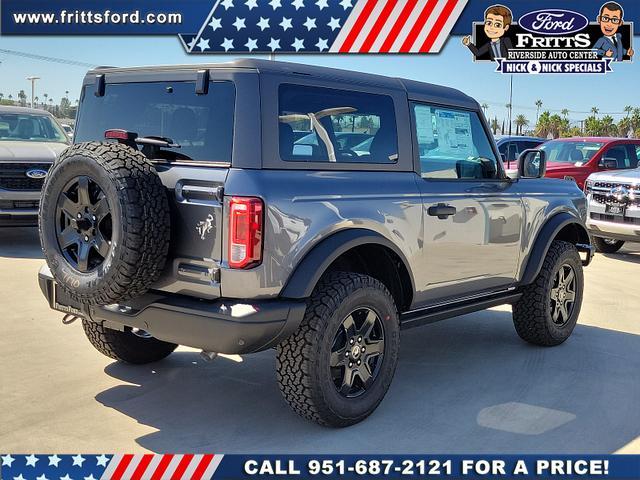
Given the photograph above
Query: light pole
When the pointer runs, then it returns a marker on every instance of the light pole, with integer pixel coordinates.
(33, 88)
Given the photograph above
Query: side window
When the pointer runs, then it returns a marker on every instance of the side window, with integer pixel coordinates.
(327, 125)
(513, 151)
(452, 144)
(621, 154)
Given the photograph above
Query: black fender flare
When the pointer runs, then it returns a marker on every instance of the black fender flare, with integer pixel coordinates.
(547, 234)
(316, 262)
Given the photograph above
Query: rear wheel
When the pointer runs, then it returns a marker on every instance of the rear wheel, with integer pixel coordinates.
(129, 346)
(548, 310)
(337, 367)
(607, 245)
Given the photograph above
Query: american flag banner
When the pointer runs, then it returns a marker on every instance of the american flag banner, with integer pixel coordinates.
(326, 26)
(109, 467)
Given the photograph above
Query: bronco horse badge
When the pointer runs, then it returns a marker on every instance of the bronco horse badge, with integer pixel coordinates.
(204, 227)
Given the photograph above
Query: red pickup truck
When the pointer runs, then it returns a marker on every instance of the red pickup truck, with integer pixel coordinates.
(577, 158)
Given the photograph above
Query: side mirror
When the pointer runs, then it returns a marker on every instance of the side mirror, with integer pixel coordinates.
(609, 163)
(532, 163)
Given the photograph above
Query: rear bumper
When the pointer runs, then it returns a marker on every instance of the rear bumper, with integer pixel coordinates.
(223, 326)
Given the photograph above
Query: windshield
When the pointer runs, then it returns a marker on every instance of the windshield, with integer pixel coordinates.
(201, 125)
(22, 127)
(571, 152)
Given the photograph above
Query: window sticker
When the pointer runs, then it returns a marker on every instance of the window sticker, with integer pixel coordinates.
(454, 133)
(424, 125)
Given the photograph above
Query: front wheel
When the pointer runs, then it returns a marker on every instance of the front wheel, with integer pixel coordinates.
(548, 310)
(607, 245)
(337, 367)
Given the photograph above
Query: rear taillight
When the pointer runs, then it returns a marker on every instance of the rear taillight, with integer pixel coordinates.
(245, 232)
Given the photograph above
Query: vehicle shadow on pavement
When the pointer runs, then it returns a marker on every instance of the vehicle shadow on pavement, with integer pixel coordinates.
(467, 385)
(624, 256)
(20, 242)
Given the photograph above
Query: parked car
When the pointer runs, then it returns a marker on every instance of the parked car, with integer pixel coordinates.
(511, 146)
(577, 158)
(30, 140)
(68, 129)
(346, 140)
(613, 208)
(184, 215)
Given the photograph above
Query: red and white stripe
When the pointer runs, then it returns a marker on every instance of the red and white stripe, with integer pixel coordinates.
(398, 26)
(162, 467)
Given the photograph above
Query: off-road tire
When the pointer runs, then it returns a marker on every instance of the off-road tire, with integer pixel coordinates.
(125, 346)
(532, 316)
(603, 247)
(140, 222)
(302, 360)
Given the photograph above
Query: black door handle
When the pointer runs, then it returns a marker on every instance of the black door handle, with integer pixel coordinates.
(442, 211)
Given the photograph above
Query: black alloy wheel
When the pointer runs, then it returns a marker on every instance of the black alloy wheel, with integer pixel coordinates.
(563, 294)
(357, 352)
(84, 224)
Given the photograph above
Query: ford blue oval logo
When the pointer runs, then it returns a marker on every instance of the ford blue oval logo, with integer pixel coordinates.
(36, 173)
(553, 22)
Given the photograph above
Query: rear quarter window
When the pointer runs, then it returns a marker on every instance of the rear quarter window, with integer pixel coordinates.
(336, 126)
(202, 125)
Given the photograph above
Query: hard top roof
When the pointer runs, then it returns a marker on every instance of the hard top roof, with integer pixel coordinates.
(413, 88)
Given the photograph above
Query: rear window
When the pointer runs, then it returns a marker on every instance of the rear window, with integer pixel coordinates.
(202, 125)
(327, 125)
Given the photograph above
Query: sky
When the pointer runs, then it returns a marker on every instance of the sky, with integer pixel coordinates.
(452, 67)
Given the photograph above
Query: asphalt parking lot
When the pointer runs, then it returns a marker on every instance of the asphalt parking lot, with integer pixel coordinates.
(465, 385)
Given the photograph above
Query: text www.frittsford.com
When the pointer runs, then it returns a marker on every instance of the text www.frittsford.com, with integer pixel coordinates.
(88, 17)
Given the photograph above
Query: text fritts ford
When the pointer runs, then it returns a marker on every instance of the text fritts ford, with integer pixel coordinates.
(89, 17)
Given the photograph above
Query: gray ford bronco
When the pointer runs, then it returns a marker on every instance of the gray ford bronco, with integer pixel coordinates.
(252, 205)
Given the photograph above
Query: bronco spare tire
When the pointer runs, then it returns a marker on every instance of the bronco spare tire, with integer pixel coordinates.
(104, 223)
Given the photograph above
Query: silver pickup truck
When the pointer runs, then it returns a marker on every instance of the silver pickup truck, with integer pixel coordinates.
(221, 207)
(30, 140)
(613, 208)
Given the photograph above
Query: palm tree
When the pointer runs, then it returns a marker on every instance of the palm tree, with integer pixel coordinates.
(11, 98)
(628, 109)
(539, 106)
(485, 107)
(565, 112)
(494, 125)
(595, 111)
(22, 98)
(608, 126)
(1, 95)
(521, 122)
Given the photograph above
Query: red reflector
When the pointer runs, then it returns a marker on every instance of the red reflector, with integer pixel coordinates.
(245, 232)
(118, 134)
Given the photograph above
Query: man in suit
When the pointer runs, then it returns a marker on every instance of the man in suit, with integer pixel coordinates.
(610, 45)
(496, 23)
